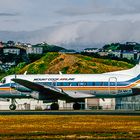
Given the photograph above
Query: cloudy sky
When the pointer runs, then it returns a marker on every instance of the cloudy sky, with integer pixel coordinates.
(70, 23)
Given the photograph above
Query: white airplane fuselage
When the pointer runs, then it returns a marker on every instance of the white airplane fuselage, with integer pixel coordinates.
(71, 87)
(107, 85)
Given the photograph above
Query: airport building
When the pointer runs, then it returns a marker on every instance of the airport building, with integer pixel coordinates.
(32, 104)
(126, 103)
(23, 104)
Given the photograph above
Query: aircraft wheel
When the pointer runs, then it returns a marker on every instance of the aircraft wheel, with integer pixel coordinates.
(54, 106)
(12, 107)
(76, 106)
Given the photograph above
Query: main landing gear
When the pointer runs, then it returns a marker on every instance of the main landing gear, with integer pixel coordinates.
(13, 105)
(76, 106)
(54, 106)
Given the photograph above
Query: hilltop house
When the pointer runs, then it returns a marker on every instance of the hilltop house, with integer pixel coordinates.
(11, 50)
(91, 50)
(34, 50)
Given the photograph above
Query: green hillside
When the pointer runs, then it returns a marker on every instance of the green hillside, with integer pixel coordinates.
(54, 62)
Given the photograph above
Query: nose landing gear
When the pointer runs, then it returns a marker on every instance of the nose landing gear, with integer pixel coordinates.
(13, 105)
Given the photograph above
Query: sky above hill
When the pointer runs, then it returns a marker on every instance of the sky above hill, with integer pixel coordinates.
(70, 23)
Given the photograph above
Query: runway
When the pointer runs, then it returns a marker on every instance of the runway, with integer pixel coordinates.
(81, 112)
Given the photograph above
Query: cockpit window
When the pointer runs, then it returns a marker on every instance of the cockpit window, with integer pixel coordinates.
(3, 81)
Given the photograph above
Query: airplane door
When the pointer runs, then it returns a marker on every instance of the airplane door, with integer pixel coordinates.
(112, 85)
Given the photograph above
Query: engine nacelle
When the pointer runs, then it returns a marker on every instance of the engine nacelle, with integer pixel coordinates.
(44, 97)
(50, 101)
(4, 99)
(21, 88)
(35, 95)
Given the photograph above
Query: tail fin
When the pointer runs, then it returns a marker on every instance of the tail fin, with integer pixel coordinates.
(135, 71)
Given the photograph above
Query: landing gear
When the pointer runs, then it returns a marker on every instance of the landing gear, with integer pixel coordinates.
(13, 105)
(54, 106)
(76, 106)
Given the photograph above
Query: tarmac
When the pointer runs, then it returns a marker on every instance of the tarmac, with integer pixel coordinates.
(72, 112)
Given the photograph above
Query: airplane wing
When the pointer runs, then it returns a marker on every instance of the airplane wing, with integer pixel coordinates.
(43, 89)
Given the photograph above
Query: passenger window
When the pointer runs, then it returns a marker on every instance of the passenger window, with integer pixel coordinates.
(82, 84)
(66, 84)
(102, 83)
(54, 83)
(48, 83)
(90, 84)
(60, 84)
(74, 84)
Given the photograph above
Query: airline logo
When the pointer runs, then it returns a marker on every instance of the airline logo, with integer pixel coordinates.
(53, 79)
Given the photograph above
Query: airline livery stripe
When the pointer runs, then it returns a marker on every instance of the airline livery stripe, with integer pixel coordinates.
(89, 87)
(6, 89)
(101, 87)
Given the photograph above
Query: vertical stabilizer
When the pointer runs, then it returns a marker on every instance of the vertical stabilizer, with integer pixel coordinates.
(135, 71)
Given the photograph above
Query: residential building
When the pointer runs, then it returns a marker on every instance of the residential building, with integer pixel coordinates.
(34, 50)
(11, 50)
(10, 43)
(126, 54)
(103, 53)
(91, 50)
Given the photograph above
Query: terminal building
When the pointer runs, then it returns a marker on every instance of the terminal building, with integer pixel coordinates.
(128, 103)
(32, 104)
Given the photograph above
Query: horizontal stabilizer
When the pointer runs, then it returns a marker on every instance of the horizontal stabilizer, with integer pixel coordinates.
(136, 90)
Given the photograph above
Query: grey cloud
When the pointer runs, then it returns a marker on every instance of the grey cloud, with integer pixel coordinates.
(117, 7)
(96, 32)
(8, 14)
(11, 21)
(89, 11)
(88, 33)
(80, 34)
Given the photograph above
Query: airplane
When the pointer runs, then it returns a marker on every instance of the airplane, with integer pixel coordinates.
(70, 87)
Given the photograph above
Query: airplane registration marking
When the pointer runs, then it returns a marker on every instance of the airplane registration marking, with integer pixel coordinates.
(124, 91)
